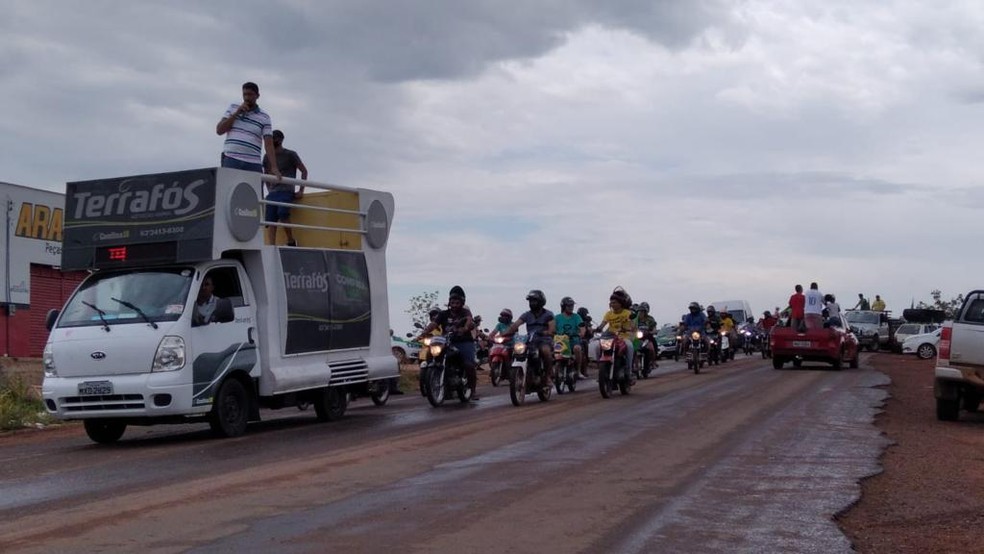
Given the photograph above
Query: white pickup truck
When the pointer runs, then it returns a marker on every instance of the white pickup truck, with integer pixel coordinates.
(960, 363)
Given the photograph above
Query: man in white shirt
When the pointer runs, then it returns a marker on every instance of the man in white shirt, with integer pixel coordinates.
(204, 304)
(813, 310)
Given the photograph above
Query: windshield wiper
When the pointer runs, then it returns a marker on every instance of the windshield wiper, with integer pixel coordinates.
(101, 314)
(136, 309)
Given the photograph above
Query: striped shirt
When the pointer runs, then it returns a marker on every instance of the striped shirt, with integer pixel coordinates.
(244, 141)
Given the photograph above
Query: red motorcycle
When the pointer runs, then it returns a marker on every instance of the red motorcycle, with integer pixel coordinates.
(500, 360)
(614, 371)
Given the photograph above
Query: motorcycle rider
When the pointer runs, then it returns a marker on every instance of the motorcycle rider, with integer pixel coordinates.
(570, 324)
(768, 321)
(643, 319)
(540, 328)
(618, 320)
(694, 320)
(505, 320)
(588, 334)
(461, 318)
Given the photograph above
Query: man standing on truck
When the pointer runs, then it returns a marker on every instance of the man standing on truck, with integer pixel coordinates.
(862, 303)
(247, 129)
(878, 305)
(288, 162)
(797, 306)
(813, 311)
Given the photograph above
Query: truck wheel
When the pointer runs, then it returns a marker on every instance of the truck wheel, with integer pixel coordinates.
(400, 355)
(947, 409)
(331, 404)
(382, 395)
(854, 361)
(230, 413)
(971, 401)
(104, 431)
(873, 346)
(838, 363)
(777, 363)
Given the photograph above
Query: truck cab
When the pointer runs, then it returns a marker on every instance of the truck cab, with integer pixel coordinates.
(188, 316)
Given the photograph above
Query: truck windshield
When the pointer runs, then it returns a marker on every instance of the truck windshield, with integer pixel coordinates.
(109, 298)
(863, 317)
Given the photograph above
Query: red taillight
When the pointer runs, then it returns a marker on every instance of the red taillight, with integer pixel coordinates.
(944, 350)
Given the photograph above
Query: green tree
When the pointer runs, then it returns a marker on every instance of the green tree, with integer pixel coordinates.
(420, 305)
(950, 307)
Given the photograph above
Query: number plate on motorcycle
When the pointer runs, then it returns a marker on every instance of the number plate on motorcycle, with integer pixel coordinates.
(95, 388)
(802, 344)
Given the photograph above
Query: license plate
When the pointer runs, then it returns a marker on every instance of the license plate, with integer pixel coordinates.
(802, 344)
(95, 388)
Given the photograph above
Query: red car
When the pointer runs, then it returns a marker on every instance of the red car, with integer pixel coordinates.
(831, 343)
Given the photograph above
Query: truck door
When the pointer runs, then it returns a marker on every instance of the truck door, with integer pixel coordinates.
(968, 331)
(222, 343)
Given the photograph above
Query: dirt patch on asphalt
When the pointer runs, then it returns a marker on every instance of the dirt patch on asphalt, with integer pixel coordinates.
(930, 497)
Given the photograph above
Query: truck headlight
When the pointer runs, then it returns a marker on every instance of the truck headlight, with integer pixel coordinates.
(170, 354)
(48, 362)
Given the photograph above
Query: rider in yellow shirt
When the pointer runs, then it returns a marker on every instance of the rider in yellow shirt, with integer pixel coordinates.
(618, 320)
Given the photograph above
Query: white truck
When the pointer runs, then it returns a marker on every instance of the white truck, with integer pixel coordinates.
(140, 342)
(959, 372)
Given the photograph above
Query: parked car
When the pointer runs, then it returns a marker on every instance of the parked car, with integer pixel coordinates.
(907, 330)
(666, 342)
(960, 362)
(924, 346)
(830, 342)
(406, 351)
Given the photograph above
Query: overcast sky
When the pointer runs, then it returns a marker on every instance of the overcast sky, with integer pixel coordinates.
(685, 150)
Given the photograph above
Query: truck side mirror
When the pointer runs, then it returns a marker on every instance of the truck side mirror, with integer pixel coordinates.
(223, 311)
(49, 320)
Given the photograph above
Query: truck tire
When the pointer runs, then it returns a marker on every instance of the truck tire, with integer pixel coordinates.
(104, 431)
(777, 363)
(971, 401)
(947, 409)
(230, 412)
(331, 404)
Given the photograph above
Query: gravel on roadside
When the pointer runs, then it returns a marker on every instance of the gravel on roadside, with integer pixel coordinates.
(930, 496)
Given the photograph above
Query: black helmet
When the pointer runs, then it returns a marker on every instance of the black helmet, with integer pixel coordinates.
(566, 301)
(536, 299)
(644, 307)
(505, 316)
(583, 312)
(710, 310)
(457, 292)
(477, 319)
(694, 307)
(622, 297)
(767, 313)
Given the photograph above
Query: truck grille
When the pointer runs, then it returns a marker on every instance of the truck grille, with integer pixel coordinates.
(348, 371)
(107, 403)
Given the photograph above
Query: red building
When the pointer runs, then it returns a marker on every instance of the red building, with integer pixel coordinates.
(31, 282)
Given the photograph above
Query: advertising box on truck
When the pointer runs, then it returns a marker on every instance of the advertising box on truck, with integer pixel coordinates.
(189, 316)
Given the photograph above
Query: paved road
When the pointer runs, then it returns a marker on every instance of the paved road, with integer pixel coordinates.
(741, 458)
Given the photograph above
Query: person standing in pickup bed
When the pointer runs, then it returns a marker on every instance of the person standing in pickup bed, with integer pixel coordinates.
(813, 310)
(288, 162)
(862, 303)
(797, 305)
(247, 129)
(878, 305)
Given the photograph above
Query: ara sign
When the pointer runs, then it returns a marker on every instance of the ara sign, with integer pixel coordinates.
(162, 208)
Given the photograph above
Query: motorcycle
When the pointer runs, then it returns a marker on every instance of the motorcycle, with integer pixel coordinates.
(764, 345)
(697, 354)
(727, 353)
(748, 337)
(642, 364)
(565, 368)
(714, 351)
(528, 373)
(500, 360)
(445, 375)
(614, 371)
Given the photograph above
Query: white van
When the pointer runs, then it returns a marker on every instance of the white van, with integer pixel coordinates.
(739, 309)
(287, 326)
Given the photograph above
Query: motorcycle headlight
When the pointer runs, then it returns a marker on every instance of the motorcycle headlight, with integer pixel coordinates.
(695, 335)
(679, 337)
(427, 341)
(606, 344)
(499, 340)
(436, 350)
(723, 333)
(519, 347)
(48, 361)
(638, 334)
(170, 354)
